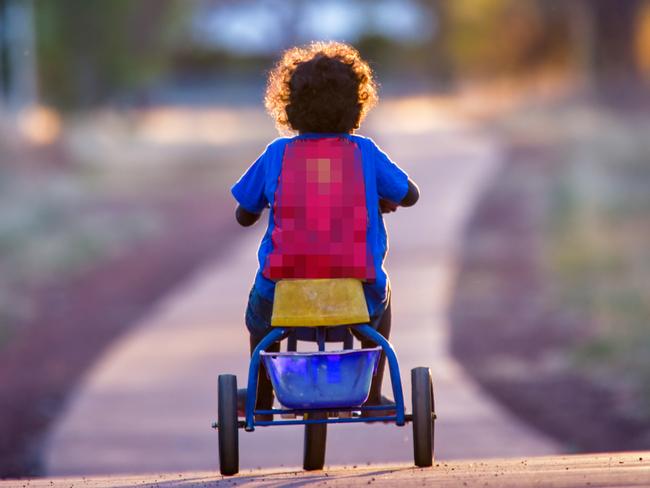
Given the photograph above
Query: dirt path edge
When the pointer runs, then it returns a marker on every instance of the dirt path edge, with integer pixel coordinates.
(77, 320)
(506, 330)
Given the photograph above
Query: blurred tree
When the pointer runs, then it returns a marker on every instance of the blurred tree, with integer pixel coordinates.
(604, 37)
(91, 50)
(406, 62)
(643, 40)
(17, 63)
(615, 28)
(598, 38)
(4, 52)
(430, 56)
(488, 38)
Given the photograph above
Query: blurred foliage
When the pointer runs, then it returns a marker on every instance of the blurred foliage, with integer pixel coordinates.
(479, 43)
(597, 38)
(389, 58)
(89, 50)
(643, 39)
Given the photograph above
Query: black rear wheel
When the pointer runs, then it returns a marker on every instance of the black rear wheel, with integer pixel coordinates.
(315, 443)
(423, 433)
(227, 425)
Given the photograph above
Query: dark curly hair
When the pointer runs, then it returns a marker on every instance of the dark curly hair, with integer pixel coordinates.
(322, 87)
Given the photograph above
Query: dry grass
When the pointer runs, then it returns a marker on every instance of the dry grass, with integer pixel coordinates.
(597, 249)
(53, 227)
(107, 185)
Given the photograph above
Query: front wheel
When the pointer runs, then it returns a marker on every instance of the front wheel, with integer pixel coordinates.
(423, 433)
(315, 443)
(228, 425)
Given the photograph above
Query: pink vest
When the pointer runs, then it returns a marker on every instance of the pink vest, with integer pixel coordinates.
(320, 214)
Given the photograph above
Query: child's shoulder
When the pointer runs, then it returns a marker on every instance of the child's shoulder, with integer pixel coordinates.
(278, 142)
(364, 141)
(275, 148)
(360, 138)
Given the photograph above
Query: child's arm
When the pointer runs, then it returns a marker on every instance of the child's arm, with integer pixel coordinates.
(246, 218)
(412, 195)
(390, 181)
(249, 191)
(410, 199)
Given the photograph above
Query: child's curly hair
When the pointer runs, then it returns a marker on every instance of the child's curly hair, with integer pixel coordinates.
(322, 87)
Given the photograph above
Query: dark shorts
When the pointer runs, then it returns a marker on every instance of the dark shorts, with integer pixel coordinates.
(259, 311)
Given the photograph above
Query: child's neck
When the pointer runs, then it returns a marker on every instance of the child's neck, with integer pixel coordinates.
(302, 133)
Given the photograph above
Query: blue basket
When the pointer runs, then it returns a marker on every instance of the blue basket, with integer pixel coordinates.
(326, 379)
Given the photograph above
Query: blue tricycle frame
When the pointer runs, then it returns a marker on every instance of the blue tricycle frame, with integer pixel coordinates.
(422, 416)
(369, 333)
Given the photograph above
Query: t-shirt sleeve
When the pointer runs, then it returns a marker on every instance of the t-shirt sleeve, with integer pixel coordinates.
(392, 181)
(249, 189)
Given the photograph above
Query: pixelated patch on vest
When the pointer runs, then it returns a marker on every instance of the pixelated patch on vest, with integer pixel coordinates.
(320, 213)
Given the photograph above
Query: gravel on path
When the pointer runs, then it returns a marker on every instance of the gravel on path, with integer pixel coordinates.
(609, 469)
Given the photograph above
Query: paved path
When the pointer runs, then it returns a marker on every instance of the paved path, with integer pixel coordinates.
(148, 403)
(577, 471)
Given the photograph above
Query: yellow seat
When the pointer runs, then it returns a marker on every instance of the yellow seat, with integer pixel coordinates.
(319, 302)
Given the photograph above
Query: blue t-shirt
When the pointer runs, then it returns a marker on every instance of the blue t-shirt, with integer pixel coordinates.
(256, 190)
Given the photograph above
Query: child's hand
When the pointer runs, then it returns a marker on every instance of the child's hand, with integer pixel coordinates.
(387, 206)
(246, 218)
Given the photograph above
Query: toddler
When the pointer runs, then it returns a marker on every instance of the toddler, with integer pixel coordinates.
(326, 189)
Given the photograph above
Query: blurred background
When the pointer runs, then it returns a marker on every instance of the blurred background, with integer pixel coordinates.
(124, 122)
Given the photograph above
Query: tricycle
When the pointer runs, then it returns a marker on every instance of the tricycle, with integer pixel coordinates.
(316, 388)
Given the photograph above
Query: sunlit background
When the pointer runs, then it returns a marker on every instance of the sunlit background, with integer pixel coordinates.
(124, 122)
